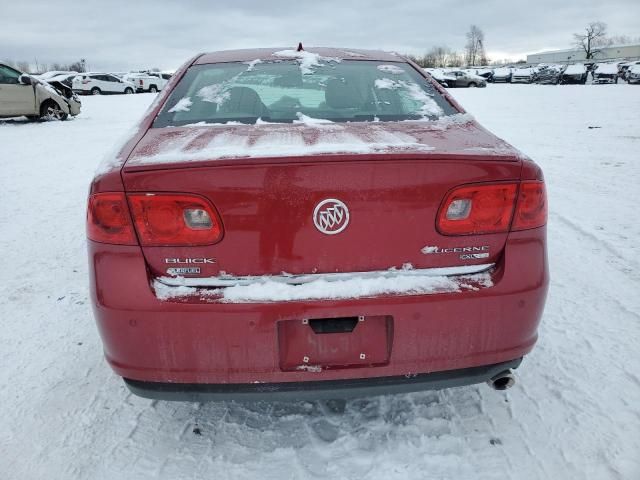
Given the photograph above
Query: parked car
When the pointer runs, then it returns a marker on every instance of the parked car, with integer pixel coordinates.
(465, 79)
(605, 73)
(101, 83)
(502, 75)
(148, 81)
(163, 76)
(575, 73)
(440, 76)
(486, 73)
(633, 74)
(53, 73)
(413, 239)
(623, 68)
(24, 95)
(547, 76)
(522, 75)
(64, 78)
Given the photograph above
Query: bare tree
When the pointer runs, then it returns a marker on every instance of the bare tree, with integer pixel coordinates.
(474, 49)
(593, 38)
(23, 66)
(455, 59)
(621, 40)
(439, 56)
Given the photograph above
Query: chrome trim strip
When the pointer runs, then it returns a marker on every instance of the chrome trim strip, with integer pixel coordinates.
(231, 281)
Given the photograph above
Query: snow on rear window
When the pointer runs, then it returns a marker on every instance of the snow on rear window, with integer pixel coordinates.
(183, 105)
(308, 61)
(280, 91)
(393, 69)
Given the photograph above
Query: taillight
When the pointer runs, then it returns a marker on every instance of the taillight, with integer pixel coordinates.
(475, 209)
(174, 219)
(141, 83)
(108, 219)
(495, 208)
(531, 209)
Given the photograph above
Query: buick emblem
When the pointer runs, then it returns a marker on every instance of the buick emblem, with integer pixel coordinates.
(331, 216)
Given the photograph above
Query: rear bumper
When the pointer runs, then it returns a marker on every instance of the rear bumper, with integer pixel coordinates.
(313, 390)
(204, 342)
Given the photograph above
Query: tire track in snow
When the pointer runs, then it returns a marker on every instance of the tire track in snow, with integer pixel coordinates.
(629, 267)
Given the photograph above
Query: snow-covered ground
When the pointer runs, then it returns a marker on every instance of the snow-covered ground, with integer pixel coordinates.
(574, 414)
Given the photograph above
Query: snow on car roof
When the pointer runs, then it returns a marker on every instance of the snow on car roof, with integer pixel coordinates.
(607, 68)
(247, 55)
(575, 68)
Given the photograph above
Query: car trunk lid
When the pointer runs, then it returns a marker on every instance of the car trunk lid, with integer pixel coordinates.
(280, 212)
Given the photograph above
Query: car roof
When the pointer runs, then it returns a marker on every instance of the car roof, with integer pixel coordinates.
(247, 55)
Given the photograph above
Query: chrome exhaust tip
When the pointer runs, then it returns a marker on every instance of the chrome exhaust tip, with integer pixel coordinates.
(502, 381)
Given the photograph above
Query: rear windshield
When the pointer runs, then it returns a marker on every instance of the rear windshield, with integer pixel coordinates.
(298, 90)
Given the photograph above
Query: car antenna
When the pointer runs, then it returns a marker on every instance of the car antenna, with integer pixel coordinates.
(300, 49)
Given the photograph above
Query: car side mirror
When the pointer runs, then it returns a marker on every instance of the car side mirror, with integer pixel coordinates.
(24, 79)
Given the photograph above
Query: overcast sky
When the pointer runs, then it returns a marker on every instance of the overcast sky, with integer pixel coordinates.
(121, 35)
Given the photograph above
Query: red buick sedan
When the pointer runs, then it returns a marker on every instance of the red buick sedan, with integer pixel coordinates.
(291, 223)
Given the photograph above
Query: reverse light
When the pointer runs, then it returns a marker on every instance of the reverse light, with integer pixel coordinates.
(459, 209)
(108, 219)
(174, 220)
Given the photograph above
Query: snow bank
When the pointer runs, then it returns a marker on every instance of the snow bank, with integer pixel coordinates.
(392, 282)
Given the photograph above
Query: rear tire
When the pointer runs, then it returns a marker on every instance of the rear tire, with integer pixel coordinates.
(153, 89)
(96, 91)
(128, 91)
(50, 110)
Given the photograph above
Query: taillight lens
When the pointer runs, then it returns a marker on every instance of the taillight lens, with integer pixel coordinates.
(174, 220)
(108, 219)
(476, 209)
(531, 210)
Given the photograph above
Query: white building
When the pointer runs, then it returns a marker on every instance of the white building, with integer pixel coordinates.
(630, 52)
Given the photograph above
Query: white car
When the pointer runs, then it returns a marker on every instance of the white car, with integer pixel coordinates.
(605, 73)
(502, 74)
(101, 83)
(148, 81)
(633, 74)
(522, 75)
(24, 95)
